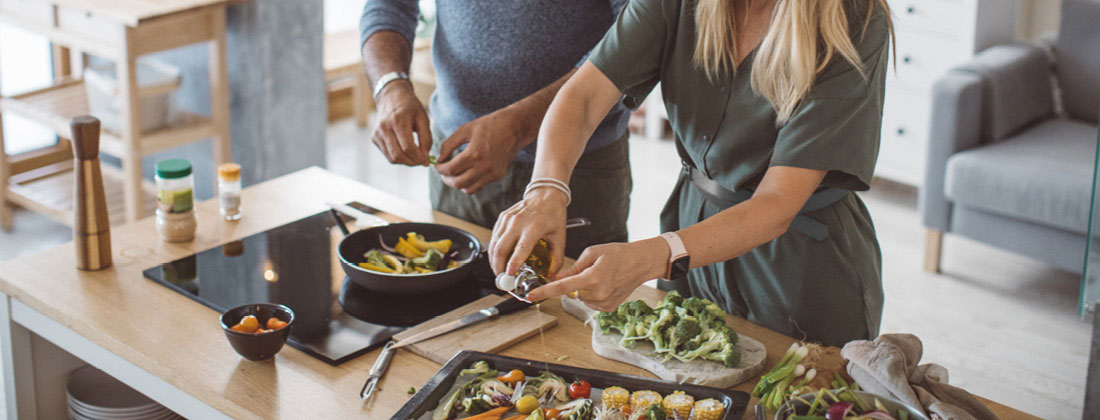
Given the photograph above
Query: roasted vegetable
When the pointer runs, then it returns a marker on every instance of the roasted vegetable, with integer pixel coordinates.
(418, 241)
(650, 412)
(527, 404)
(547, 387)
(639, 400)
(678, 402)
(430, 260)
(513, 376)
(578, 409)
(615, 398)
(479, 367)
(580, 389)
(708, 409)
(407, 250)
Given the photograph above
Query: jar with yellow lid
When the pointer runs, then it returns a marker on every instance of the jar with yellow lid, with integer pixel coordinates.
(229, 190)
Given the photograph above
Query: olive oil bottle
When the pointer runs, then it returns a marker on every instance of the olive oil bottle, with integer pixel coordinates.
(534, 273)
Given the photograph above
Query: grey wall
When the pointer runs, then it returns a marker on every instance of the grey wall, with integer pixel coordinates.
(277, 92)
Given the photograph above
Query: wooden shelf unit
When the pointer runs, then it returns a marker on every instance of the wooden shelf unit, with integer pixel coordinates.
(54, 106)
(121, 31)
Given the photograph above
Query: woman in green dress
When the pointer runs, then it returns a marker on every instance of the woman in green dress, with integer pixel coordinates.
(776, 107)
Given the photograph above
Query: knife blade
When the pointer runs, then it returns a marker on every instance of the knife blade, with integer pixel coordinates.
(503, 308)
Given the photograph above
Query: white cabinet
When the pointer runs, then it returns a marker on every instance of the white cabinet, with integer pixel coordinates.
(932, 37)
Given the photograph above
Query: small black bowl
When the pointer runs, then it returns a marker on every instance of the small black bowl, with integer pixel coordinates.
(258, 346)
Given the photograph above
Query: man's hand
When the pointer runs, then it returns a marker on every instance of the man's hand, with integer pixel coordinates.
(492, 142)
(400, 115)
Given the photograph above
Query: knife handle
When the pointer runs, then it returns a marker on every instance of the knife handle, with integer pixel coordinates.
(510, 305)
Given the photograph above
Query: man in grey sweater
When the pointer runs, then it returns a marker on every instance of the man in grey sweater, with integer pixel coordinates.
(498, 65)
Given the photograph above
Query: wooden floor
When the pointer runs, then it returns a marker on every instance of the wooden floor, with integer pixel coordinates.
(1004, 325)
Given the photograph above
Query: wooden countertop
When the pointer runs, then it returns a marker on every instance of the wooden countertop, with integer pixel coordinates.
(180, 341)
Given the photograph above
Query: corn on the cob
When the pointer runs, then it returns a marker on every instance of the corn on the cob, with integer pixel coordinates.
(615, 398)
(679, 402)
(639, 400)
(708, 409)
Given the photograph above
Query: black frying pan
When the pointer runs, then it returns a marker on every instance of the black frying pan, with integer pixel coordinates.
(354, 245)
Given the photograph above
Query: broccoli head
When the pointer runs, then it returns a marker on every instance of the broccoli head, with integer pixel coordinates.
(672, 299)
(608, 321)
(718, 344)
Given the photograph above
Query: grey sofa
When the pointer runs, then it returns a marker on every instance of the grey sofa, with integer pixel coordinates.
(1009, 162)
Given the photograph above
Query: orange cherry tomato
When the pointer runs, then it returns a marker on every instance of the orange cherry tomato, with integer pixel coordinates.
(275, 323)
(238, 328)
(248, 324)
(515, 375)
(261, 331)
(552, 413)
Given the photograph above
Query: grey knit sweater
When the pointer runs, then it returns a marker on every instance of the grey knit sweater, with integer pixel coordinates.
(491, 53)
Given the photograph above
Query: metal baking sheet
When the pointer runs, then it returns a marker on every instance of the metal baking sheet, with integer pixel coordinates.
(428, 396)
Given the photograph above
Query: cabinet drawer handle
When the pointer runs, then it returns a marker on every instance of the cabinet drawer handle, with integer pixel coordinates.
(901, 131)
(911, 10)
(907, 59)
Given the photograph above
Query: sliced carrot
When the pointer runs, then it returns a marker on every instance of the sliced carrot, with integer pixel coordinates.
(491, 414)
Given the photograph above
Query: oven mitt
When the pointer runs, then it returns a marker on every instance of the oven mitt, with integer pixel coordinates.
(889, 366)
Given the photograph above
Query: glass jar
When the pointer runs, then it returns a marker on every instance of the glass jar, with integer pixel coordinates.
(175, 216)
(229, 191)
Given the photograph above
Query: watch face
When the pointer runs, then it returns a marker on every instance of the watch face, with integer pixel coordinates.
(679, 268)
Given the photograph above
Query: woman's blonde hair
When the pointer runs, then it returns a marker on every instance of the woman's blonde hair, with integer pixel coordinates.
(802, 39)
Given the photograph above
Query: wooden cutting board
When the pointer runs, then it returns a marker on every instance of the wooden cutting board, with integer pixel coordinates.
(699, 372)
(488, 336)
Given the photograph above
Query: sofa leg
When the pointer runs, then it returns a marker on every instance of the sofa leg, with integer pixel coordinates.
(933, 247)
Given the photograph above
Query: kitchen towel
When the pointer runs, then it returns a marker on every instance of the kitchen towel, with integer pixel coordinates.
(889, 366)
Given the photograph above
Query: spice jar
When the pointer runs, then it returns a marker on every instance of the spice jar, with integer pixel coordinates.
(532, 275)
(229, 190)
(176, 220)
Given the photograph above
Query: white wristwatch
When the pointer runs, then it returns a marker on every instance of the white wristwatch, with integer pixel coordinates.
(387, 78)
(679, 262)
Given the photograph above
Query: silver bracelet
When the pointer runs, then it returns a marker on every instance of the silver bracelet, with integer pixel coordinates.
(552, 183)
(387, 78)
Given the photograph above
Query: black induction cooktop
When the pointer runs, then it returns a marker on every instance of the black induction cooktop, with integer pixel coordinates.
(297, 265)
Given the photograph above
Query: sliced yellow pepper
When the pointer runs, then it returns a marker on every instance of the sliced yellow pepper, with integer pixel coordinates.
(452, 264)
(423, 270)
(373, 267)
(442, 245)
(407, 249)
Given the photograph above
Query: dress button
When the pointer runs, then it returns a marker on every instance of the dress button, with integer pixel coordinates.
(722, 89)
(706, 137)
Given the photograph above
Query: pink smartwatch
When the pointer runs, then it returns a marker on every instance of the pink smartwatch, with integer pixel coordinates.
(679, 262)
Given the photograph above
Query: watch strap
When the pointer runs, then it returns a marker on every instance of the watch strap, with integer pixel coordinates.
(676, 249)
(387, 78)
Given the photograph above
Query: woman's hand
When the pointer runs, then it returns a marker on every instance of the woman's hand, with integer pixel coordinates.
(540, 215)
(605, 275)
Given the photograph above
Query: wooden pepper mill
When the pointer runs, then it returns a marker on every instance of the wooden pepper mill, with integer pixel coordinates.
(91, 227)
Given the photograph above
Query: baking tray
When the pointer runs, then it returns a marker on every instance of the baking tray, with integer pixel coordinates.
(428, 396)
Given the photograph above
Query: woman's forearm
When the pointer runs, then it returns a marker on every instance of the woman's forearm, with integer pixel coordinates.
(579, 107)
(762, 218)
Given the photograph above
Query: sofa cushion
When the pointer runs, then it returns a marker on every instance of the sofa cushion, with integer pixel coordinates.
(1042, 175)
(1078, 58)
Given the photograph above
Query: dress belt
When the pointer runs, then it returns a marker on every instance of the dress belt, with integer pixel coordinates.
(720, 196)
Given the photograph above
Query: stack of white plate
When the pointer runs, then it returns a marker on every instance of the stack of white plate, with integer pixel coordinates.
(94, 395)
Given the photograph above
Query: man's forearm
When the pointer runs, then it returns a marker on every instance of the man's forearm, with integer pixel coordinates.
(532, 109)
(386, 52)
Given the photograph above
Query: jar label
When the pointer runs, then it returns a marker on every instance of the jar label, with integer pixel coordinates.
(175, 201)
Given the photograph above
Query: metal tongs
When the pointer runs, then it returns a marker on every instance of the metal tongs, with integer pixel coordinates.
(377, 370)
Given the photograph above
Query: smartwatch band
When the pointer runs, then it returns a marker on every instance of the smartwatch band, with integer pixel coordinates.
(677, 252)
(387, 78)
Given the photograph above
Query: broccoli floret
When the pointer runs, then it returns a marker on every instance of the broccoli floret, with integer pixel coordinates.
(377, 258)
(685, 330)
(671, 300)
(716, 344)
(661, 329)
(608, 321)
(479, 367)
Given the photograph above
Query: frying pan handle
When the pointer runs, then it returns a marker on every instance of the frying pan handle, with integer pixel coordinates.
(577, 222)
(340, 222)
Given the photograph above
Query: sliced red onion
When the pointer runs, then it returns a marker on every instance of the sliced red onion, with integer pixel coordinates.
(838, 410)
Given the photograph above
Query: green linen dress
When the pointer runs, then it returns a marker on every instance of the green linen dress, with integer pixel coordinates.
(828, 290)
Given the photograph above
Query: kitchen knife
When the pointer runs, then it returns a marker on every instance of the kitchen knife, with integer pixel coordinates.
(363, 220)
(503, 308)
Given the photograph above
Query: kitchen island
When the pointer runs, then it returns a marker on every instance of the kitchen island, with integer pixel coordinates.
(172, 348)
